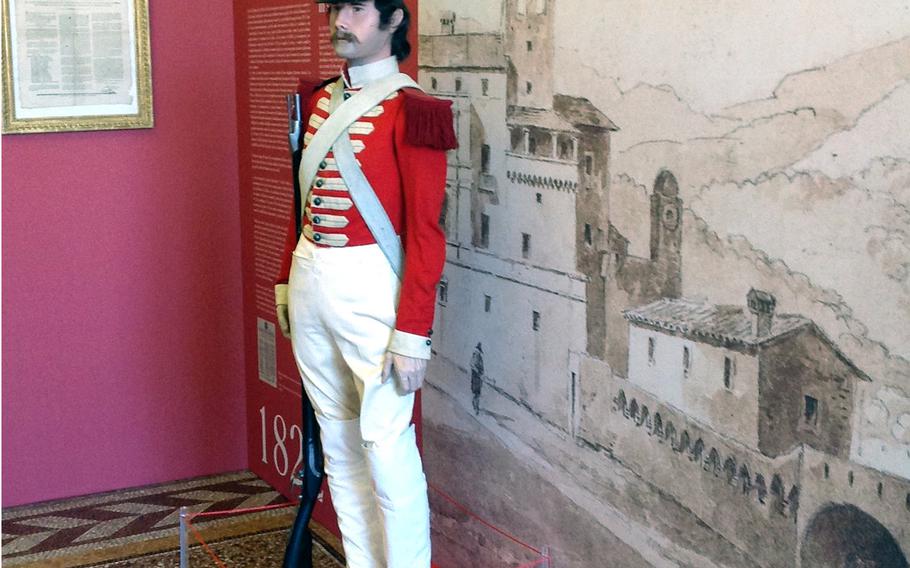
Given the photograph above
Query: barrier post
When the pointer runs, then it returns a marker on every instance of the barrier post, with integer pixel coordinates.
(184, 552)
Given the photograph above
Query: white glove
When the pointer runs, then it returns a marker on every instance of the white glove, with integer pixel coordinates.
(284, 323)
(281, 308)
(409, 371)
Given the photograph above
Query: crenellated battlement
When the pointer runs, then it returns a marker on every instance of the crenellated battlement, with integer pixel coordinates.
(539, 181)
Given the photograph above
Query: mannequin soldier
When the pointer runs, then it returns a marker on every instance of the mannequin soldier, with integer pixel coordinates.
(358, 313)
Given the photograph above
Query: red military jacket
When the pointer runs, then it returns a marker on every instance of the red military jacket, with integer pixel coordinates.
(400, 145)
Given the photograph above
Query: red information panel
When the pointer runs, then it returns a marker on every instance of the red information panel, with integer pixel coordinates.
(277, 42)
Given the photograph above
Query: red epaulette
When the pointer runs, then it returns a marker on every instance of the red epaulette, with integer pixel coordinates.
(429, 120)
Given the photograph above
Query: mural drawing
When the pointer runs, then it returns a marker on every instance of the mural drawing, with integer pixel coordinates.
(674, 323)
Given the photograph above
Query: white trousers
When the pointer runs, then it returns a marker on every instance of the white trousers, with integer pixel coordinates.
(342, 304)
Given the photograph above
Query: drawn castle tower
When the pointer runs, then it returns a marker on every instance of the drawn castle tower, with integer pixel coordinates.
(529, 50)
(528, 221)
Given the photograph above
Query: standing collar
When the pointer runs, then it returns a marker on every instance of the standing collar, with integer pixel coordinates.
(362, 75)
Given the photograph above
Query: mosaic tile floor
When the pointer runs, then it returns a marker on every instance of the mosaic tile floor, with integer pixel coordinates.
(138, 527)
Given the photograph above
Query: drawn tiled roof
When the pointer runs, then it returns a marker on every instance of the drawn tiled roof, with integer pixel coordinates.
(733, 324)
(581, 112)
(538, 118)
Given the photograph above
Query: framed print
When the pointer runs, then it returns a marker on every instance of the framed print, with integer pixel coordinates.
(71, 65)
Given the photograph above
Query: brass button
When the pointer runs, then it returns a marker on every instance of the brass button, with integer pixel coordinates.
(316, 220)
(319, 182)
(429, 342)
(323, 165)
(317, 201)
(317, 237)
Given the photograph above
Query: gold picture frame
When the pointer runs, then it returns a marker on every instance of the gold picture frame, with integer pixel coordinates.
(76, 65)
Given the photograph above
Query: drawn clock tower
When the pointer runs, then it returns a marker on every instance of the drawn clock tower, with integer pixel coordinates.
(666, 233)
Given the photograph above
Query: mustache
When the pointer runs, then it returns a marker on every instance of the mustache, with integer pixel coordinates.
(343, 35)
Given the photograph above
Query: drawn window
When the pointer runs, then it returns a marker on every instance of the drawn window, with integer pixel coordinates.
(697, 450)
(730, 470)
(827, 471)
(652, 346)
(589, 163)
(484, 230)
(458, 84)
(745, 479)
(687, 361)
(879, 489)
(535, 321)
(487, 303)
(539, 198)
(850, 478)
(658, 429)
(444, 212)
(712, 464)
(588, 238)
(670, 434)
(525, 245)
(793, 500)
(644, 417)
(530, 45)
(443, 291)
(434, 84)
(529, 87)
(728, 373)
(565, 149)
(485, 158)
(484, 86)
(683, 442)
(761, 490)
(777, 492)
(532, 145)
(810, 411)
(619, 403)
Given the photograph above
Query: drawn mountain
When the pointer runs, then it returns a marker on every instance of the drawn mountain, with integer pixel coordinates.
(653, 113)
(831, 230)
(802, 114)
(883, 130)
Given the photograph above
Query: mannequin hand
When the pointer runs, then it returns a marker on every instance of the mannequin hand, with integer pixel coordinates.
(284, 323)
(408, 371)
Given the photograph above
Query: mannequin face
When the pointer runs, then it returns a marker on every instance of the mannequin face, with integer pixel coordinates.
(356, 33)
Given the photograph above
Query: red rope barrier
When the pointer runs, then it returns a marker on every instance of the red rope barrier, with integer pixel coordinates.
(450, 499)
(205, 546)
(239, 511)
(189, 523)
(537, 562)
(443, 494)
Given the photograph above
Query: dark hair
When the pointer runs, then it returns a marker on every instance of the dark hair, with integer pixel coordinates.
(401, 47)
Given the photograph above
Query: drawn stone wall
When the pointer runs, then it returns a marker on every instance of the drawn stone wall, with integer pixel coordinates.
(684, 165)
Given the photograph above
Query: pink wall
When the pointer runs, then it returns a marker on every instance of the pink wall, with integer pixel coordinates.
(122, 339)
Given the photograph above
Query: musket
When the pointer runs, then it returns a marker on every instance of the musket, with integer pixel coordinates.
(294, 130)
(299, 551)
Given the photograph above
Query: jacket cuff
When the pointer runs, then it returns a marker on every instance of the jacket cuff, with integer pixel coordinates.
(281, 294)
(410, 345)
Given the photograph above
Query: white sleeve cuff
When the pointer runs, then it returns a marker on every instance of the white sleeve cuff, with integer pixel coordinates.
(281, 294)
(411, 345)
